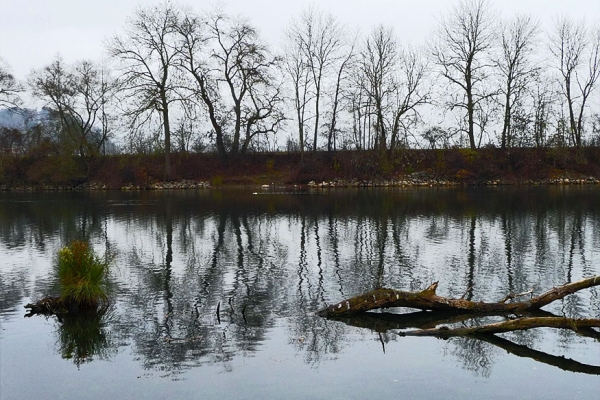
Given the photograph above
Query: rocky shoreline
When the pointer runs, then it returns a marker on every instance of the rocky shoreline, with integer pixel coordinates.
(91, 186)
(414, 180)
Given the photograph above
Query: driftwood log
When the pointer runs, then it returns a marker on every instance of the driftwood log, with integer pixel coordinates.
(428, 300)
(438, 312)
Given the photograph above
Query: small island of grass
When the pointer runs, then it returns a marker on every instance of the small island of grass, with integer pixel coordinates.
(83, 281)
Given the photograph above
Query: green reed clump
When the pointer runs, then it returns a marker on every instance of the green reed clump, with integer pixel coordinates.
(83, 276)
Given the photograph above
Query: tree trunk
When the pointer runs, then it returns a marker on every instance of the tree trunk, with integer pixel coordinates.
(505, 139)
(572, 124)
(316, 131)
(235, 145)
(300, 116)
(471, 117)
(167, 130)
(429, 300)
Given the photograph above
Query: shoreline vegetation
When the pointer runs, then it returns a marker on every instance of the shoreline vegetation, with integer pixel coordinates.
(402, 168)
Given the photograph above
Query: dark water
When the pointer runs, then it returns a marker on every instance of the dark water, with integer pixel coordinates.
(267, 261)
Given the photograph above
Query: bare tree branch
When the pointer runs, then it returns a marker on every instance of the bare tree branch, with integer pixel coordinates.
(9, 87)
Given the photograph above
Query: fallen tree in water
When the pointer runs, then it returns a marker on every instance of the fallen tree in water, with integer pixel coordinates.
(447, 318)
(428, 300)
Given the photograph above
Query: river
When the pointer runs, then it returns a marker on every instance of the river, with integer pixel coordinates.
(214, 293)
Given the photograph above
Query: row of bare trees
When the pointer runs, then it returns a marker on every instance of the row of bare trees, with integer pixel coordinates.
(495, 67)
(487, 74)
(187, 79)
(213, 65)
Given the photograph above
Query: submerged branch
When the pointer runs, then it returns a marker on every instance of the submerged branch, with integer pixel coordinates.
(428, 321)
(566, 364)
(518, 324)
(385, 322)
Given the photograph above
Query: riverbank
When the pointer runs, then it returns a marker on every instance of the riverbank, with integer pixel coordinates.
(452, 167)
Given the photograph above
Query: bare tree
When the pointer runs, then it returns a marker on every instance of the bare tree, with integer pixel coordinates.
(186, 135)
(147, 64)
(194, 44)
(461, 45)
(237, 77)
(576, 51)
(343, 69)
(320, 37)
(95, 88)
(358, 103)
(319, 53)
(436, 136)
(379, 60)
(246, 68)
(12, 139)
(516, 67)
(296, 68)
(540, 127)
(596, 130)
(411, 93)
(543, 99)
(392, 80)
(79, 96)
(9, 87)
(107, 91)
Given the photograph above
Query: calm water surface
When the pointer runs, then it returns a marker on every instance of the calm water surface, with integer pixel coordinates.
(267, 261)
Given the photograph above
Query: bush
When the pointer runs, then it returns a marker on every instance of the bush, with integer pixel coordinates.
(83, 277)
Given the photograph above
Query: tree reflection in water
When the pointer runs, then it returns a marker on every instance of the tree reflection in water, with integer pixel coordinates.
(269, 261)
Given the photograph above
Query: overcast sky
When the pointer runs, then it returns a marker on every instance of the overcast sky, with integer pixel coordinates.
(32, 32)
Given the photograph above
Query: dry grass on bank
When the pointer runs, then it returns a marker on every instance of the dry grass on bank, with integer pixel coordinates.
(456, 165)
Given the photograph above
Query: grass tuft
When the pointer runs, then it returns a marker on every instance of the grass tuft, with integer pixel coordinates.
(83, 276)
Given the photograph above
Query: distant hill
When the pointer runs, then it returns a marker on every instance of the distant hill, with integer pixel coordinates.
(22, 118)
(25, 119)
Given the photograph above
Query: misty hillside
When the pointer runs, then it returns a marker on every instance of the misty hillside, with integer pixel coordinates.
(22, 118)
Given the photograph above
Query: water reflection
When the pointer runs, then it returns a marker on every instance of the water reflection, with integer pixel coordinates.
(205, 277)
(84, 337)
(478, 352)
